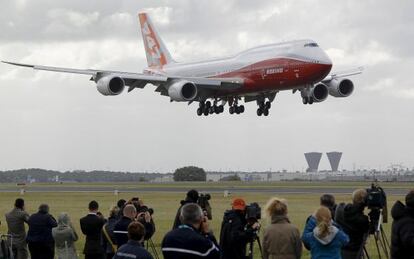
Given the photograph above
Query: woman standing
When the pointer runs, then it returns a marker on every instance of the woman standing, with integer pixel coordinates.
(65, 237)
(281, 239)
(325, 240)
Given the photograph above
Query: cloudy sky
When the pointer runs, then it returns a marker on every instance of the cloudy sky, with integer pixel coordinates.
(57, 121)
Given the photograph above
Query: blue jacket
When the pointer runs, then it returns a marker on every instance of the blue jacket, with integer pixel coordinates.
(328, 247)
(132, 249)
(185, 242)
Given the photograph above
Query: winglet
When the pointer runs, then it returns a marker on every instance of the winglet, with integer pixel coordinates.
(155, 49)
(17, 64)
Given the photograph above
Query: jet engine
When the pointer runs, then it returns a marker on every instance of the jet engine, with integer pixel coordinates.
(317, 93)
(182, 91)
(340, 87)
(110, 85)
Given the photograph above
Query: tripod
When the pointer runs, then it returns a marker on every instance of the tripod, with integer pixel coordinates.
(150, 244)
(381, 242)
(251, 244)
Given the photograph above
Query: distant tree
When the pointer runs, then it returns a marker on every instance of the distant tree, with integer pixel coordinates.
(190, 173)
(231, 178)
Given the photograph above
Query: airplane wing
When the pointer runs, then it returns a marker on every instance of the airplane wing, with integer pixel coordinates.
(346, 73)
(140, 80)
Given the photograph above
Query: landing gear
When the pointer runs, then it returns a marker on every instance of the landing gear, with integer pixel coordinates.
(206, 108)
(235, 108)
(307, 100)
(263, 108)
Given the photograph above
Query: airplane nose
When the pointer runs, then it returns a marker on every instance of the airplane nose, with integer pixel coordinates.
(324, 58)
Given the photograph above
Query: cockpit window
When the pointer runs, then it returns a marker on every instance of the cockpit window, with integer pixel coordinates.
(313, 44)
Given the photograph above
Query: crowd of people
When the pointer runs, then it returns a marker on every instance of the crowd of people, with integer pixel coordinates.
(332, 231)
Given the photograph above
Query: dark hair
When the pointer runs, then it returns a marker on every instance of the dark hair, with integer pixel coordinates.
(136, 231)
(93, 205)
(121, 203)
(19, 203)
(44, 208)
(191, 213)
(409, 199)
(328, 200)
(192, 195)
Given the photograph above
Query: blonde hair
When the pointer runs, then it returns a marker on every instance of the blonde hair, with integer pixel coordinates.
(276, 207)
(323, 219)
(359, 196)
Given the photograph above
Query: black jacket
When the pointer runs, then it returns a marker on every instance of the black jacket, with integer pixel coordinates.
(354, 223)
(185, 242)
(91, 226)
(177, 220)
(121, 230)
(233, 236)
(402, 233)
(40, 228)
(132, 249)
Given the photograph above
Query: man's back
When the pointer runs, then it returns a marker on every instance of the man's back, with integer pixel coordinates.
(120, 231)
(355, 224)
(132, 249)
(402, 235)
(15, 223)
(91, 226)
(186, 243)
(233, 237)
(40, 228)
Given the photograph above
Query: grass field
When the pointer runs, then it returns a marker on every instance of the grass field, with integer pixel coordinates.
(165, 204)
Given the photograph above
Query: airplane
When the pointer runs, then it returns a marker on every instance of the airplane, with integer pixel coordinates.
(256, 74)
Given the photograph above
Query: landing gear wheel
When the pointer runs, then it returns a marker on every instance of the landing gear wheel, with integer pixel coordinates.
(310, 100)
(305, 100)
(259, 112)
(211, 110)
(206, 112)
(266, 112)
(221, 108)
(231, 109)
(268, 105)
(241, 107)
(199, 111)
(208, 104)
(237, 109)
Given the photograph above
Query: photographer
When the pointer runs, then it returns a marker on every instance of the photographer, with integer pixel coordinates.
(354, 223)
(192, 239)
(144, 216)
(233, 235)
(402, 234)
(191, 197)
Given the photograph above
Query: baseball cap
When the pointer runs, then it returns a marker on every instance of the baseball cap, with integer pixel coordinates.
(238, 204)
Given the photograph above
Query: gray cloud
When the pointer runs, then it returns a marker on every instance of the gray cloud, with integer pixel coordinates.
(60, 121)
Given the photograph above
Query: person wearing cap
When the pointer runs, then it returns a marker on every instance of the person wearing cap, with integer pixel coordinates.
(191, 197)
(234, 235)
(402, 231)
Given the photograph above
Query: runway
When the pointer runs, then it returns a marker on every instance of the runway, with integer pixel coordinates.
(209, 189)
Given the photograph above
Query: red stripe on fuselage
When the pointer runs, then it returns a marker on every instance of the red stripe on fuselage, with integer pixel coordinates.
(276, 74)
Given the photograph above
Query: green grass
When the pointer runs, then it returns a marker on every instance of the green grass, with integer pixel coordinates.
(165, 204)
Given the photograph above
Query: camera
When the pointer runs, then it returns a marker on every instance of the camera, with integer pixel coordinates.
(203, 201)
(376, 198)
(376, 201)
(144, 209)
(253, 211)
